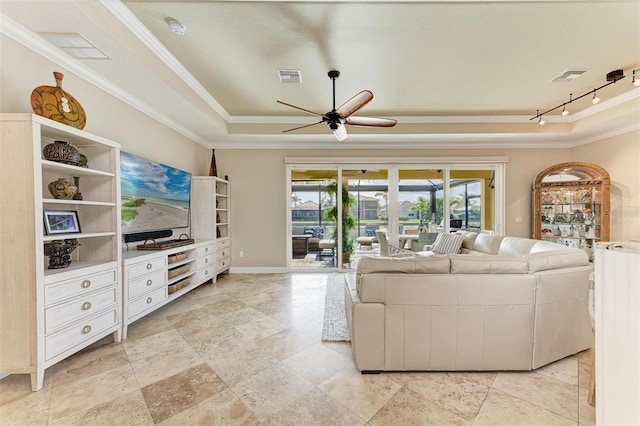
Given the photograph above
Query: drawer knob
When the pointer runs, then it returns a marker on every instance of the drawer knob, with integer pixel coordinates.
(86, 306)
(223, 263)
(149, 282)
(86, 284)
(149, 300)
(206, 272)
(86, 329)
(206, 249)
(149, 266)
(206, 261)
(224, 253)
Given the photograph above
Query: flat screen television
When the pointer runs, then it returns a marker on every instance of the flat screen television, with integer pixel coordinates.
(155, 197)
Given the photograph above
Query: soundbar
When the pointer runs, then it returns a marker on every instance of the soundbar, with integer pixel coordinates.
(142, 236)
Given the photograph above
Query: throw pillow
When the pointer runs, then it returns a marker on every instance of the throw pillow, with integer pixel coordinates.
(447, 244)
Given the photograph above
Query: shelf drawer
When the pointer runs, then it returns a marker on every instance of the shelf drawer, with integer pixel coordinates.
(148, 301)
(149, 282)
(146, 267)
(203, 262)
(223, 264)
(58, 316)
(69, 337)
(68, 289)
(205, 274)
(205, 250)
(223, 252)
(223, 243)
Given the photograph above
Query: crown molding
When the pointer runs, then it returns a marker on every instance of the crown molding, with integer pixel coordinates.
(129, 20)
(32, 41)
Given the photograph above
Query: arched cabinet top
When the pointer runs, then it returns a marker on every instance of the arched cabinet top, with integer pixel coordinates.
(572, 173)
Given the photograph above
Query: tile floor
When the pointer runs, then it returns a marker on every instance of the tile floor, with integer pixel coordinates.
(247, 350)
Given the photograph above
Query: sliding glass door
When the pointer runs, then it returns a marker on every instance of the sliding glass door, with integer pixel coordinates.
(341, 212)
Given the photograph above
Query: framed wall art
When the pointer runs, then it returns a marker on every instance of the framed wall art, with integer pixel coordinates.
(61, 222)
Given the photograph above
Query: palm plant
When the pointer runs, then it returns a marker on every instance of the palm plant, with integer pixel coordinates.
(348, 221)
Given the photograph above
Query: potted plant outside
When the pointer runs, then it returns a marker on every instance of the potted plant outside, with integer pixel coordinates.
(348, 221)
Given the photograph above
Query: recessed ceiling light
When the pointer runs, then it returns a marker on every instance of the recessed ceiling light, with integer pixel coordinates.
(176, 26)
(74, 45)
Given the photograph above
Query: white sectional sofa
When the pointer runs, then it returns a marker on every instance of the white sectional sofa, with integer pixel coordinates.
(507, 303)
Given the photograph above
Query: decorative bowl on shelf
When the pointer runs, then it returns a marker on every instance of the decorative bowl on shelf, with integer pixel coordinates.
(62, 152)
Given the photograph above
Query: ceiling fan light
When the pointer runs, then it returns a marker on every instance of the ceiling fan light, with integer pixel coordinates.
(340, 132)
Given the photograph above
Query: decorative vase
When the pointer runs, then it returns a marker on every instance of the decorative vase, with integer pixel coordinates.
(62, 189)
(213, 169)
(62, 152)
(78, 194)
(59, 252)
(83, 161)
(54, 103)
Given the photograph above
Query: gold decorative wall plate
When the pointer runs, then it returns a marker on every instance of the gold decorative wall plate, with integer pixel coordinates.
(54, 103)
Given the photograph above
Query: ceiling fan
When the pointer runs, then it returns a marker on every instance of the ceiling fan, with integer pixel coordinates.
(337, 118)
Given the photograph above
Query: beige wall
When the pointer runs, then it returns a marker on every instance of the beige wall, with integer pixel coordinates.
(23, 70)
(258, 179)
(620, 156)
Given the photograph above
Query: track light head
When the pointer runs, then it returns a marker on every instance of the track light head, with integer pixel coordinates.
(634, 81)
(595, 99)
(541, 121)
(564, 110)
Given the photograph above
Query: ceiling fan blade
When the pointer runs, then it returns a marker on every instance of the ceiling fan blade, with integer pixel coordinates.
(371, 122)
(301, 127)
(355, 103)
(301, 109)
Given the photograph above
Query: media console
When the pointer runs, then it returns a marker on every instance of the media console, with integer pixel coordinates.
(152, 279)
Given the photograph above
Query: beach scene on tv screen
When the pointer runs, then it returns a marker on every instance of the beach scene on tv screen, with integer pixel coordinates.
(154, 196)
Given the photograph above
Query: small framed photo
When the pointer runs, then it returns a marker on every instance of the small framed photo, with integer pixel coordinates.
(61, 222)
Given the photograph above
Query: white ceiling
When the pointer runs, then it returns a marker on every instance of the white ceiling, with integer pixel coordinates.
(453, 73)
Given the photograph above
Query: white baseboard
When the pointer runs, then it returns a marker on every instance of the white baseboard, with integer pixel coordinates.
(259, 270)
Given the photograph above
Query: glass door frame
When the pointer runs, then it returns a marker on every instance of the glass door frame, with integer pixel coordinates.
(393, 165)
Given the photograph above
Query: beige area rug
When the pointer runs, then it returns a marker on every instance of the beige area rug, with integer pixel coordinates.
(335, 327)
(308, 260)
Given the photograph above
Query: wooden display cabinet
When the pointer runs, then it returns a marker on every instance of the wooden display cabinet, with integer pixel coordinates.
(571, 205)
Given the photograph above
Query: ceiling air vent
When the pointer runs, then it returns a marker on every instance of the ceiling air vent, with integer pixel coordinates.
(290, 76)
(569, 75)
(75, 45)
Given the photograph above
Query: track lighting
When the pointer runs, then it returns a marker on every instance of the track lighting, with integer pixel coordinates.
(612, 77)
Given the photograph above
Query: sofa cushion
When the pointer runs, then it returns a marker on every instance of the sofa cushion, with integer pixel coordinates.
(408, 265)
(487, 243)
(513, 246)
(469, 239)
(488, 264)
(447, 243)
(556, 259)
(546, 246)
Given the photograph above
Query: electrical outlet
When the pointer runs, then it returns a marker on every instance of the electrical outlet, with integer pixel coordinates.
(241, 253)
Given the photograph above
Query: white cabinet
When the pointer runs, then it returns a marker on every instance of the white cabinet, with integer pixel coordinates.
(49, 314)
(617, 324)
(210, 216)
(154, 278)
